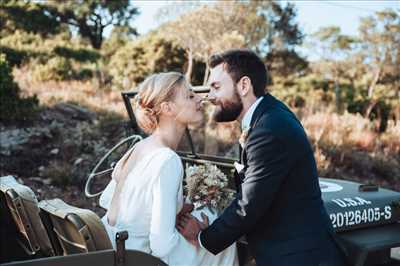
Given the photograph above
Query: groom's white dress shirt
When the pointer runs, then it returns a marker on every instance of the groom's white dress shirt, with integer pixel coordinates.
(245, 125)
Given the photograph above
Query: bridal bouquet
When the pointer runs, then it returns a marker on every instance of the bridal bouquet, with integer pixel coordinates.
(206, 185)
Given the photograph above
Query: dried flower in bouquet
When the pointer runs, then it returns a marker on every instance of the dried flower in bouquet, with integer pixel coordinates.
(206, 185)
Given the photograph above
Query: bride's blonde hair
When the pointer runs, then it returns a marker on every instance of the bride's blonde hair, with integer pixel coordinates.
(153, 91)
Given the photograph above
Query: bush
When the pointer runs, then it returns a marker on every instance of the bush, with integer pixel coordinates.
(13, 56)
(58, 58)
(137, 59)
(13, 107)
(309, 91)
(57, 68)
(80, 54)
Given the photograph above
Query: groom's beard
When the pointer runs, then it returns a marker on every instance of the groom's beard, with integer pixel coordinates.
(228, 110)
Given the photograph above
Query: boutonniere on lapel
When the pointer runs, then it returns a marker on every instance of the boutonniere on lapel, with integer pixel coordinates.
(243, 137)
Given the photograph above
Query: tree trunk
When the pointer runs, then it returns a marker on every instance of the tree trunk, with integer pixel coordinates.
(188, 74)
(373, 83)
(338, 101)
(337, 96)
(370, 107)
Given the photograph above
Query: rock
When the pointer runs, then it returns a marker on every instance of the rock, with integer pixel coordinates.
(78, 161)
(46, 181)
(74, 111)
(36, 179)
(16, 139)
(54, 151)
(12, 138)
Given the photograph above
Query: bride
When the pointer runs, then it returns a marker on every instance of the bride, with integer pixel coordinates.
(144, 195)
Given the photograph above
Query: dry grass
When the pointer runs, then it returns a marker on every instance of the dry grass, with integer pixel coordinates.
(352, 130)
(346, 146)
(86, 93)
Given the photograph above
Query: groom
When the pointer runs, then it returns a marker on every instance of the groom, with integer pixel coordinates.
(278, 206)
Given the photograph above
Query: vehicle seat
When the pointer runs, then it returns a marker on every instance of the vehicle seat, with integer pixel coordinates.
(77, 230)
(23, 234)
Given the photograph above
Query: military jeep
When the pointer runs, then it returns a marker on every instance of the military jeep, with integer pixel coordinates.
(365, 217)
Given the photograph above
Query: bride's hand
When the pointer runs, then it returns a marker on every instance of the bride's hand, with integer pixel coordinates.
(187, 208)
(205, 223)
(190, 227)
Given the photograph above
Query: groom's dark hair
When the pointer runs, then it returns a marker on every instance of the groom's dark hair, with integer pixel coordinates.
(243, 62)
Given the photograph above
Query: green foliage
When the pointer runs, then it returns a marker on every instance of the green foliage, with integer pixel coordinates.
(284, 33)
(132, 63)
(264, 26)
(13, 107)
(308, 91)
(119, 36)
(364, 68)
(375, 110)
(91, 17)
(57, 68)
(13, 56)
(56, 58)
(284, 63)
(79, 55)
(28, 16)
(30, 45)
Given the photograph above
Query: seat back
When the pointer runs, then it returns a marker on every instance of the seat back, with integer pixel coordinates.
(21, 217)
(77, 230)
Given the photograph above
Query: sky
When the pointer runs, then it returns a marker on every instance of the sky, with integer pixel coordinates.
(311, 15)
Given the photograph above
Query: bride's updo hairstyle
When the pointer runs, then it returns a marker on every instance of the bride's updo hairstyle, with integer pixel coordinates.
(153, 91)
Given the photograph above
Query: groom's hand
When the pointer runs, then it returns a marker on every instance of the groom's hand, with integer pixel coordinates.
(190, 227)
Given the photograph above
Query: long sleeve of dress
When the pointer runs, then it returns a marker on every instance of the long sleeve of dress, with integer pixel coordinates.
(168, 183)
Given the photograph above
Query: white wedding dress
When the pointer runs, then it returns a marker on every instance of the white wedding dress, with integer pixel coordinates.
(149, 201)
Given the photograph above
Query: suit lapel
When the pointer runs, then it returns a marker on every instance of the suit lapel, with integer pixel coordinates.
(267, 101)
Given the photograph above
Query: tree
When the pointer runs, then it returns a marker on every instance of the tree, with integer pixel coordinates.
(380, 37)
(283, 63)
(283, 32)
(367, 65)
(380, 50)
(12, 106)
(27, 16)
(284, 35)
(141, 57)
(333, 46)
(263, 26)
(89, 18)
(203, 31)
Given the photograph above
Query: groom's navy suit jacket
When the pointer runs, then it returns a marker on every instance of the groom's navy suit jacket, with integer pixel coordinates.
(278, 205)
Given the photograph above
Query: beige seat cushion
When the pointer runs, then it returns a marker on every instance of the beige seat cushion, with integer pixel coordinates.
(78, 230)
(23, 207)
